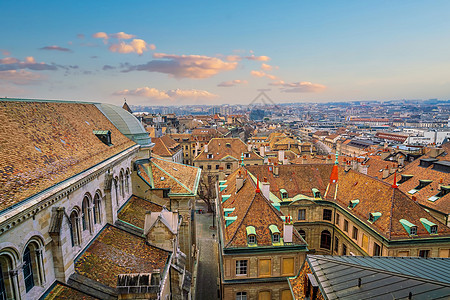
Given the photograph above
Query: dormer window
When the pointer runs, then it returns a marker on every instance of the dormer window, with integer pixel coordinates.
(284, 194)
(374, 216)
(409, 227)
(209, 155)
(104, 136)
(316, 193)
(422, 183)
(405, 178)
(445, 189)
(247, 155)
(275, 234)
(429, 226)
(251, 235)
(228, 145)
(353, 203)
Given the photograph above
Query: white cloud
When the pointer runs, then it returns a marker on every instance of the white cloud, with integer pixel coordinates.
(299, 87)
(155, 94)
(232, 83)
(135, 46)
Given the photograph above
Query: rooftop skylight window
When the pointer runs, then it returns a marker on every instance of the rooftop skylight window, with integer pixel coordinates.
(104, 136)
(62, 141)
(422, 183)
(405, 178)
(374, 216)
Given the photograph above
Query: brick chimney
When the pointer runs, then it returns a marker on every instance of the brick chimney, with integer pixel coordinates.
(239, 181)
(288, 230)
(262, 151)
(276, 169)
(347, 166)
(386, 172)
(249, 147)
(206, 148)
(265, 188)
(281, 156)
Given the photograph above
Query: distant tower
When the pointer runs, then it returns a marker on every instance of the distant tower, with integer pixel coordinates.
(126, 107)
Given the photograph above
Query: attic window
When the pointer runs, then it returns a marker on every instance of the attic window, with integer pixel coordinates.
(374, 216)
(445, 189)
(353, 203)
(275, 233)
(104, 136)
(429, 226)
(405, 178)
(409, 227)
(284, 194)
(422, 183)
(316, 193)
(247, 155)
(209, 155)
(228, 145)
(251, 235)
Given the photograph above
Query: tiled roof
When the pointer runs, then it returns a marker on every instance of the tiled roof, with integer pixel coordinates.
(374, 195)
(161, 173)
(251, 209)
(133, 212)
(426, 173)
(43, 143)
(165, 146)
(114, 252)
(219, 149)
(59, 291)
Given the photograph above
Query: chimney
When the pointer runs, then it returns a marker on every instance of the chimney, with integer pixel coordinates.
(304, 159)
(239, 181)
(261, 151)
(401, 160)
(414, 198)
(288, 230)
(249, 147)
(206, 148)
(441, 183)
(276, 169)
(392, 170)
(281, 156)
(386, 172)
(355, 163)
(265, 188)
(363, 168)
(347, 166)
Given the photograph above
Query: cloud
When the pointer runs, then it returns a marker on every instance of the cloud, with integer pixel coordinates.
(177, 94)
(122, 35)
(266, 67)
(11, 63)
(5, 52)
(184, 66)
(258, 58)
(232, 83)
(20, 77)
(135, 46)
(80, 36)
(108, 67)
(299, 87)
(100, 35)
(263, 74)
(56, 48)
(233, 58)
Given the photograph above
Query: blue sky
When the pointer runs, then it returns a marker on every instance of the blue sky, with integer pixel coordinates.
(196, 52)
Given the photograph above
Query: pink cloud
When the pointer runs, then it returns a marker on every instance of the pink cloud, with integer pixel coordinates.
(299, 87)
(56, 48)
(100, 35)
(258, 58)
(232, 83)
(266, 67)
(11, 63)
(185, 66)
(135, 46)
(5, 52)
(155, 94)
(21, 77)
(263, 74)
(233, 58)
(122, 35)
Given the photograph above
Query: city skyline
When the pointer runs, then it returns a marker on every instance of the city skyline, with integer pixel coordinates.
(213, 53)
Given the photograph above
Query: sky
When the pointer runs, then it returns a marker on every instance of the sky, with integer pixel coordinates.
(219, 52)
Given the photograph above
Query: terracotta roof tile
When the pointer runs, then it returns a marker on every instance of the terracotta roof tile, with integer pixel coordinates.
(115, 252)
(165, 146)
(61, 291)
(58, 140)
(134, 210)
(220, 149)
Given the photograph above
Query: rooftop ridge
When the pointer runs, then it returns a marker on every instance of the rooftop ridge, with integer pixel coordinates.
(188, 189)
(47, 100)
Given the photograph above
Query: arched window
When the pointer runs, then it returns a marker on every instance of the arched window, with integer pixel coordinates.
(303, 234)
(127, 181)
(75, 229)
(325, 240)
(8, 287)
(121, 184)
(32, 265)
(85, 213)
(97, 209)
(116, 191)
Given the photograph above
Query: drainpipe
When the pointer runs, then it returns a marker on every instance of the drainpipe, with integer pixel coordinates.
(332, 237)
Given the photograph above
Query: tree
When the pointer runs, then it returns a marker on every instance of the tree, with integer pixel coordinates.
(207, 189)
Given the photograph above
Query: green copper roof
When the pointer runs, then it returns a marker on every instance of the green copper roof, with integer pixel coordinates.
(127, 124)
(250, 230)
(273, 229)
